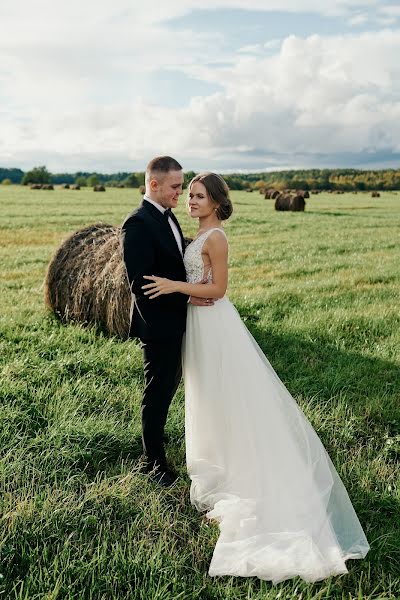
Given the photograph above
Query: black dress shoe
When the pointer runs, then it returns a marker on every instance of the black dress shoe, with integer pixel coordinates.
(159, 472)
(165, 478)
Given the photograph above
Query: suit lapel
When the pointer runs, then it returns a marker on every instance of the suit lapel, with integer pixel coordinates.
(158, 215)
(175, 220)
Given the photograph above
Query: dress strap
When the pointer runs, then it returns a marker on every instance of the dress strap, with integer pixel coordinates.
(206, 234)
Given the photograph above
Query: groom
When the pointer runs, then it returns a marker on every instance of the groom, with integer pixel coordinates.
(153, 244)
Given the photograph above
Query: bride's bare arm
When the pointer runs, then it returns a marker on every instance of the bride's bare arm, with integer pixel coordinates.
(216, 247)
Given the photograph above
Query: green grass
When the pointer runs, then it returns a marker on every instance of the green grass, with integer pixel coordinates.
(319, 291)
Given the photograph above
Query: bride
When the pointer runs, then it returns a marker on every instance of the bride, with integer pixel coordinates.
(256, 464)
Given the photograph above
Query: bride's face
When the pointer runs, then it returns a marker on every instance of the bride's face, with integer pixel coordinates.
(199, 202)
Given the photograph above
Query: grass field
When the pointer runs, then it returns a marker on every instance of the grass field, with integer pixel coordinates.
(319, 291)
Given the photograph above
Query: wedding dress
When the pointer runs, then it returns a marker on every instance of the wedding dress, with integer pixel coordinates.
(256, 464)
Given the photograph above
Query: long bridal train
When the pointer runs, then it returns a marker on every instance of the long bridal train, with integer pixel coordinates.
(256, 464)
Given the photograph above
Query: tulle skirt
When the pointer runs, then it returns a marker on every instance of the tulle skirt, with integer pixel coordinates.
(256, 464)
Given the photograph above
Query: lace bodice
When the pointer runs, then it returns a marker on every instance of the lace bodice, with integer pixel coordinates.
(193, 259)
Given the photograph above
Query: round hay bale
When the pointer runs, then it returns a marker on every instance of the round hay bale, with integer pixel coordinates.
(142, 189)
(99, 188)
(298, 203)
(86, 280)
(65, 186)
(75, 187)
(375, 195)
(282, 202)
(36, 186)
(47, 186)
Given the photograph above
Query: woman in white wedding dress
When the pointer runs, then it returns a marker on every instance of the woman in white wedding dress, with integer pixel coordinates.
(255, 463)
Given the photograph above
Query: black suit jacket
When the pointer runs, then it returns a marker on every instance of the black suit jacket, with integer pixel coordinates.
(150, 248)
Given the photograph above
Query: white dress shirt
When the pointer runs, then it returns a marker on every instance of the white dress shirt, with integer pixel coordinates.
(170, 221)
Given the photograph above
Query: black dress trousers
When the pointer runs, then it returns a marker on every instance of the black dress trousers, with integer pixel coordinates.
(162, 370)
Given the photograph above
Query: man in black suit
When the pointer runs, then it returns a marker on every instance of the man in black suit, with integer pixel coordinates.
(153, 244)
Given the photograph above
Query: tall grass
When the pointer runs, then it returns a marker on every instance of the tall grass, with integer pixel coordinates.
(320, 293)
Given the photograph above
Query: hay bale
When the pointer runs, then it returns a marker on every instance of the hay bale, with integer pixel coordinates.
(303, 193)
(99, 188)
(298, 203)
(65, 186)
(142, 189)
(36, 186)
(86, 280)
(288, 202)
(75, 187)
(282, 202)
(47, 186)
(375, 195)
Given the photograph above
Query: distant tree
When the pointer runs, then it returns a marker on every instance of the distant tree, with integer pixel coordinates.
(260, 184)
(36, 175)
(81, 181)
(280, 184)
(6, 182)
(132, 181)
(15, 175)
(187, 178)
(92, 180)
(235, 182)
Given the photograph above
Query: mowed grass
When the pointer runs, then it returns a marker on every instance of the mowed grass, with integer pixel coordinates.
(320, 293)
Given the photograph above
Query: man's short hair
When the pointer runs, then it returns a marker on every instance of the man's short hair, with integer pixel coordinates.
(162, 165)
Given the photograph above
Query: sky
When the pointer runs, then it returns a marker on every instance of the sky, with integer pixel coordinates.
(223, 85)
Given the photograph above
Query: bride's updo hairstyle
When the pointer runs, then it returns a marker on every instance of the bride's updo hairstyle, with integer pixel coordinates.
(218, 193)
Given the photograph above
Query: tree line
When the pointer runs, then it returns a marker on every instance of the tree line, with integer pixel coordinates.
(305, 179)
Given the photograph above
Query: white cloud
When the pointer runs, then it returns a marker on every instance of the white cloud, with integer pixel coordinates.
(359, 19)
(71, 79)
(390, 10)
(251, 49)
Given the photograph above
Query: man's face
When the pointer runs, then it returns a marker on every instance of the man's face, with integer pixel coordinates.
(169, 188)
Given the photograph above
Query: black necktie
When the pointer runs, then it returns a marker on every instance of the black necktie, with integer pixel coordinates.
(167, 213)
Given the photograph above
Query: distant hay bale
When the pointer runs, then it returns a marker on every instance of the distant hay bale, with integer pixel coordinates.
(303, 193)
(375, 195)
(298, 203)
(142, 189)
(36, 186)
(99, 188)
(65, 186)
(271, 193)
(47, 186)
(249, 189)
(282, 202)
(86, 280)
(75, 186)
(288, 202)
